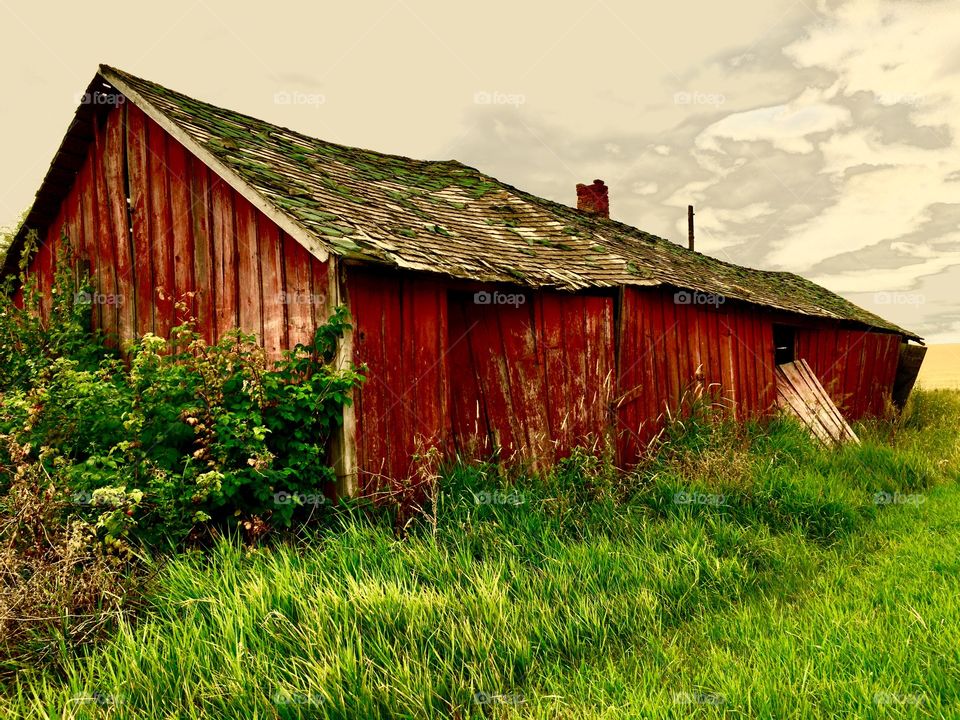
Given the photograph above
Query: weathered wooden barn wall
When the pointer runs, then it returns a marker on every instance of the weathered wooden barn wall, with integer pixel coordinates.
(526, 382)
(530, 381)
(667, 348)
(400, 334)
(855, 366)
(188, 236)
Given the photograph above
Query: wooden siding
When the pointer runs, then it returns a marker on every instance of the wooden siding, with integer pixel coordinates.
(400, 336)
(670, 349)
(529, 382)
(188, 237)
(154, 226)
(857, 367)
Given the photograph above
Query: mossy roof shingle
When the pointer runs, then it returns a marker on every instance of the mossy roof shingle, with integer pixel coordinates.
(446, 217)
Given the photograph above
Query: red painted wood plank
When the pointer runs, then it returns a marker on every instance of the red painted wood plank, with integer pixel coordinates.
(671, 350)
(139, 179)
(225, 263)
(106, 237)
(248, 268)
(87, 232)
(161, 243)
(271, 267)
(116, 201)
(204, 254)
(297, 286)
(181, 234)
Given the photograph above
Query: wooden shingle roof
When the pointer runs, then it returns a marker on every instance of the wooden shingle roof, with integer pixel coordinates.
(446, 217)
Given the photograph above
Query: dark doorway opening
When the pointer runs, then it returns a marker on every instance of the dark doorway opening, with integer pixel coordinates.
(784, 344)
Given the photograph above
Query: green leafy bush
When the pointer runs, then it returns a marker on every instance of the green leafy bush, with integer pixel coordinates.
(180, 436)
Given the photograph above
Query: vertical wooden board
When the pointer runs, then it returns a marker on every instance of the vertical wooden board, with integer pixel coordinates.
(204, 254)
(751, 350)
(116, 198)
(467, 403)
(395, 314)
(43, 271)
(699, 351)
(139, 180)
(181, 225)
(105, 238)
(660, 383)
(320, 282)
(599, 355)
(225, 263)
(73, 224)
(87, 230)
(297, 277)
(825, 369)
(160, 230)
(550, 312)
(248, 269)
(744, 362)
(853, 373)
(574, 346)
(892, 356)
(490, 355)
(769, 368)
(443, 377)
(516, 337)
(627, 358)
(670, 350)
(367, 300)
(716, 377)
(271, 269)
(680, 353)
(728, 364)
(426, 383)
(738, 352)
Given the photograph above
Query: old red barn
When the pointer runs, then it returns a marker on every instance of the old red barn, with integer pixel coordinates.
(492, 321)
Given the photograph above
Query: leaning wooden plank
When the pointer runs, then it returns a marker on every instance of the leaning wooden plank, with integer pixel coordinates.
(792, 404)
(831, 419)
(800, 393)
(845, 430)
(806, 386)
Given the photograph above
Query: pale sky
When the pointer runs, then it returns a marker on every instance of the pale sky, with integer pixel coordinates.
(816, 137)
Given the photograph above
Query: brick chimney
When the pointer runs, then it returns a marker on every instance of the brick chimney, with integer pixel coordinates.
(592, 199)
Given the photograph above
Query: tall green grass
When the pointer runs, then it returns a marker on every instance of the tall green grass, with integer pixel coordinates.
(742, 572)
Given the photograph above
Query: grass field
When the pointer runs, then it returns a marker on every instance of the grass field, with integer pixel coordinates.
(741, 574)
(941, 367)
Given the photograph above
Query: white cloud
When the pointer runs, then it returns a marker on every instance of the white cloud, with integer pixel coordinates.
(787, 127)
